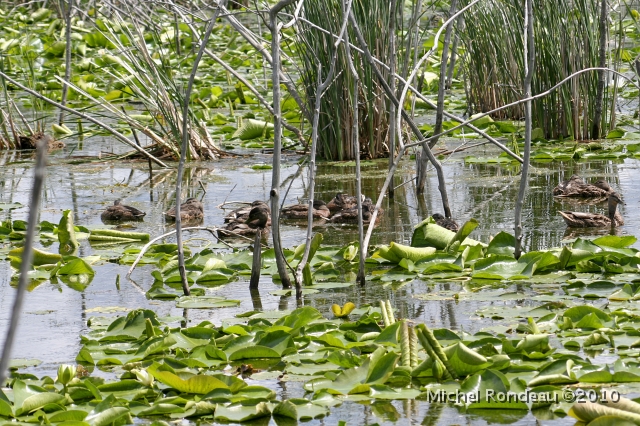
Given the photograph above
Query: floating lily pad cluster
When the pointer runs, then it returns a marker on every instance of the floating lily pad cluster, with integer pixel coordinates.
(75, 271)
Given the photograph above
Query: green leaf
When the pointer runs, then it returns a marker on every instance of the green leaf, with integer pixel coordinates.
(66, 234)
(76, 266)
(254, 352)
(251, 129)
(503, 243)
(204, 302)
(200, 384)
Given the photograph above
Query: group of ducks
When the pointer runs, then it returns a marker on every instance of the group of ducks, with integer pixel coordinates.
(598, 191)
(256, 218)
(190, 211)
(247, 221)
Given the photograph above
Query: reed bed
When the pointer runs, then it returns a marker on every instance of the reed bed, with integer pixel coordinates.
(566, 40)
(336, 116)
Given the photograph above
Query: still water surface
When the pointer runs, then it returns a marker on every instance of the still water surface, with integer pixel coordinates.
(55, 314)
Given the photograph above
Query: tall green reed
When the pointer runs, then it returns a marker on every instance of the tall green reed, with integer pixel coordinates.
(566, 41)
(336, 116)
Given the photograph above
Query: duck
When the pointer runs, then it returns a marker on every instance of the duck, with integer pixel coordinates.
(343, 202)
(576, 187)
(301, 211)
(258, 221)
(594, 220)
(191, 210)
(119, 212)
(351, 215)
(241, 214)
(31, 142)
(445, 222)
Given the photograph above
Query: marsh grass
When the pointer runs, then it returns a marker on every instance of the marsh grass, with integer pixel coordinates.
(153, 77)
(566, 41)
(336, 116)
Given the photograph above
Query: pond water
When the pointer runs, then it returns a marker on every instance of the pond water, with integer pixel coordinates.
(55, 314)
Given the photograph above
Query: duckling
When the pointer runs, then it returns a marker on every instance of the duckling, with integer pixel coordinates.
(351, 215)
(343, 202)
(576, 187)
(446, 223)
(301, 211)
(241, 214)
(257, 221)
(190, 210)
(119, 212)
(593, 220)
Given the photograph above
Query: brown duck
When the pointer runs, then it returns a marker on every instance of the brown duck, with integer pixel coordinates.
(241, 214)
(190, 210)
(594, 220)
(257, 221)
(120, 213)
(576, 187)
(445, 222)
(343, 202)
(351, 215)
(301, 211)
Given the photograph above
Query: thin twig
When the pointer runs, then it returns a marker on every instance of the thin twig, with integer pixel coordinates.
(27, 256)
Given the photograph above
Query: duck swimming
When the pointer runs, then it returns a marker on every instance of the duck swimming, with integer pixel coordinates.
(351, 215)
(594, 220)
(190, 210)
(119, 212)
(301, 211)
(445, 222)
(576, 187)
(242, 214)
(257, 221)
(343, 202)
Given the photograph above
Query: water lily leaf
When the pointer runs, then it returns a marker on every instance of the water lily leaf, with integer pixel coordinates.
(205, 302)
(241, 413)
(66, 234)
(615, 241)
(199, 384)
(251, 129)
(35, 402)
(161, 409)
(68, 416)
(299, 317)
(5, 409)
(412, 253)
(107, 417)
(502, 267)
(386, 392)
(464, 231)
(254, 352)
(586, 412)
(303, 409)
(503, 243)
(464, 360)
(76, 266)
(577, 313)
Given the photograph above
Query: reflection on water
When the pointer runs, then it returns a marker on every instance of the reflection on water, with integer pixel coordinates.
(55, 314)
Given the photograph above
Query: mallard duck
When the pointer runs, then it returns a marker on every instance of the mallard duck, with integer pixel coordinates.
(31, 142)
(576, 187)
(343, 202)
(594, 220)
(301, 211)
(190, 210)
(257, 221)
(351, 215)
(241, 214)
(119, 212)
(445, 222)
